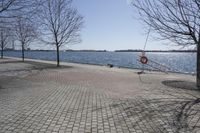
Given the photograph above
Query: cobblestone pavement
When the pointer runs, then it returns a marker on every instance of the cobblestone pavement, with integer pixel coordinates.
(102, 100)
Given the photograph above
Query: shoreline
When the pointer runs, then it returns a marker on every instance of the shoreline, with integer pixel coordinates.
(134, 51)
(32, 66)
(97, 65)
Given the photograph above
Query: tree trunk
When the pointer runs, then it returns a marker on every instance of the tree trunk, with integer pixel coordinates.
(2, 52)
(198, 66)
(2, 44)
(58, 58)
(22, 51)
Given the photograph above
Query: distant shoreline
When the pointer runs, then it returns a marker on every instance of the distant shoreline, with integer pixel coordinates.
(165, 51)
(193, 51)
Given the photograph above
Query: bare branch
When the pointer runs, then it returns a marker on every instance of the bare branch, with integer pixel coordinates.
(174, 20)
(60, 23)
(25, 32)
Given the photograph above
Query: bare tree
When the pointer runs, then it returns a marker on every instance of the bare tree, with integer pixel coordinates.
(25, 32)
(10, 7)
(4, 38)
(174, 20)
(61, 23)
(6, 5)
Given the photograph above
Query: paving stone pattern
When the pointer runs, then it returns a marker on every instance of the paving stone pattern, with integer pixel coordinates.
(47, 102)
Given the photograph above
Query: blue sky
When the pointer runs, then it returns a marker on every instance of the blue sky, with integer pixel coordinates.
(112, 25)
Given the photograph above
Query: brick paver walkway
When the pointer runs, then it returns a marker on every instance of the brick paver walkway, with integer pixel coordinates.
(97, 100)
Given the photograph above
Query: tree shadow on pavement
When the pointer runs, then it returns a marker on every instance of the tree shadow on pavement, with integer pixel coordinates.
(177, 110)
(33, 65)
(181, 84)
(162, 115)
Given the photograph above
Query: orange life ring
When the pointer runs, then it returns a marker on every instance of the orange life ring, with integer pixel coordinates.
(144, 60)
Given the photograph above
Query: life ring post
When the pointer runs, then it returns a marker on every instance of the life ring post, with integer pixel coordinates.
(143, 59)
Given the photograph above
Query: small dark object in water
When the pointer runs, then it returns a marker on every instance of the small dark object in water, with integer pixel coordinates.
(110, 65)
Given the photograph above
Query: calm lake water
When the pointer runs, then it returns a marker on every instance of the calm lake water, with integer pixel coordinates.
(177, 62)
